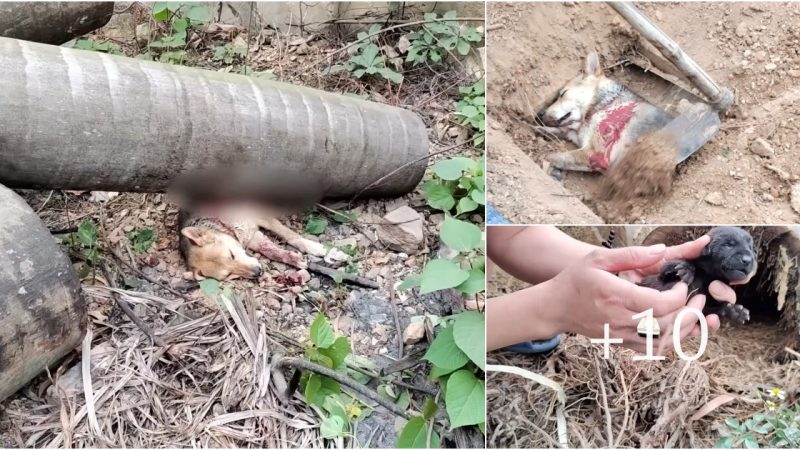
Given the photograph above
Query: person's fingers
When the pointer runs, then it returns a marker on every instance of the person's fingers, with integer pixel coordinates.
(627, 258)
(712, 320)
(688, 250)
(639, 298)
(722, 292)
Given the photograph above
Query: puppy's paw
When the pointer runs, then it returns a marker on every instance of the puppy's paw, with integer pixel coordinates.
(678, 270)
(736, 313)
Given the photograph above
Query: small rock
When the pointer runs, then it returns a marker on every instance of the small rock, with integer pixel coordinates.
(407, 235)
(795, 198)
(659, 16)
(715, 198)
(770, 67)
(741, 29)
(794, 73)
(414, 333)
(762, 148)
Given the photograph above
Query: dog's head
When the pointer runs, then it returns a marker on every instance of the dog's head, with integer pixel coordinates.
(576, 97)
(214, 254)
(729, 256)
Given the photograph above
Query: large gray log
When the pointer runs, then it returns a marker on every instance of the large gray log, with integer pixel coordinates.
(52, 22)
(81, 120)
(42, 313)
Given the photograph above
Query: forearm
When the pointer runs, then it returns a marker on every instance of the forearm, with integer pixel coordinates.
(534, 254)
(529, 314)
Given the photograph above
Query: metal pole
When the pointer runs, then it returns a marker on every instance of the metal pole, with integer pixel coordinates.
(719, 97)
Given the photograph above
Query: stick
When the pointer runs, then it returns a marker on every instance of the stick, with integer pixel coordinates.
(344, 276)
(129, 312)
(396, 318)
(301, 364)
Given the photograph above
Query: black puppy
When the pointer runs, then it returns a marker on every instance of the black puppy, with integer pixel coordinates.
(729, 258)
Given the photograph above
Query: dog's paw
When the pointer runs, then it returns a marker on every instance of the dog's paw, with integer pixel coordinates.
(678, 270)
(736, 313)
(312, 248)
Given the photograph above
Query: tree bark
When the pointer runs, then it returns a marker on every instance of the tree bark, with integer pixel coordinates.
(42, 312)
(83, 120)
(52, 22)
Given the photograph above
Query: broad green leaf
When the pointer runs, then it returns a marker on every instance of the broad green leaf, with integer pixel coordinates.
(726, 442)
(209, 287)
(391, 75)
(319, 387)
(475, 283)
(460, 235)
(438, 195)
(337, 352)
(444, 353)
(321, 332)
(451, 169)
(410, 282)
(462, 47)
(465, 399)
(87, 232)
(316, 225)
(750, 441)
(160, 11)
(415, 435)
(333, 427)
(439, 372)
(441, 274)
(469, 335)
(465, 205)
(430, 408)
(478, 196)
(199, 13)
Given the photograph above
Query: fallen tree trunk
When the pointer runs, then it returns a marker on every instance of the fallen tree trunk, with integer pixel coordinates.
(83, 120)
(52, 22)
(42, 313)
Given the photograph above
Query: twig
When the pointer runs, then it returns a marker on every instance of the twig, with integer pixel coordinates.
(429, 155)
(384, 30)
(128, 311)
(344, 276)
(609, 431)
(302, 364)
(396, 318)
(400, 365)
(46, 201)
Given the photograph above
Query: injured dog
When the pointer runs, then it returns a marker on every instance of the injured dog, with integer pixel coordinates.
(729, 257)
(214, 240)
(602, 117)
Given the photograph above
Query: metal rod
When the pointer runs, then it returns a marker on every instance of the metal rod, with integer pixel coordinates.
(718, 96)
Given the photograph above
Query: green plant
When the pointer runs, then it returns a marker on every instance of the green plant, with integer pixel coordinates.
(778, 426)
(366, 58)
(179, 18)
(103, 47)
(472, 110)
(456, 183)
(316, 225)
(142, 240)
(84, 244)
(229, 53)
(438, 37)
(458, 359)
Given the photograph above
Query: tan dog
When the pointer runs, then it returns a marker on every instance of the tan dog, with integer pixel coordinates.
(214, 242)
(601, 116)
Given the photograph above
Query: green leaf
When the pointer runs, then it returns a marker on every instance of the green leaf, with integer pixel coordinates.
(733, 423)
(430, 408)
(451, 169)
(478, 196)
(465, 205)
(315, 355)
(475, 283)
(321, 332)
(410, 282)
(179, 26)
(316, 225)
(438, 195)
(726, 442)
(444, 353)
(465, 399)
(160, 11)
(344, 216)
(450, 14)
(333, 427)
(142, 240)
(337, 352)
(391, 75)
(87, 232)
(469, 335)
(199, 13)
(750, 441)
(415, 435)
(439, 372)
(318, 388)
(441, 274)
(460, 235)
(462, 47)
(209, 287)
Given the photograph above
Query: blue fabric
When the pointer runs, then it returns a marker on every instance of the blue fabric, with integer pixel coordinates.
(493, 217)
(531, 347)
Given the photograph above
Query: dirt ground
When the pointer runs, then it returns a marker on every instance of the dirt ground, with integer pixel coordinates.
(626, 404)
(751, 48)
(208, 390)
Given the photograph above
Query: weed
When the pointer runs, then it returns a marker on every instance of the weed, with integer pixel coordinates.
(778, 426)
(142, 240)
(432, 42)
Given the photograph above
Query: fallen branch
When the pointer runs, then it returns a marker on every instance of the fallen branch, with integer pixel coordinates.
(299, 364)
(344, 276)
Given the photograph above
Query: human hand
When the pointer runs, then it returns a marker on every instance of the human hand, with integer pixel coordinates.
(589, 295)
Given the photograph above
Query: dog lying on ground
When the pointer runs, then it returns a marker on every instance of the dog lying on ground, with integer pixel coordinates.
(729, 257)
(602, 117)
(214, 240)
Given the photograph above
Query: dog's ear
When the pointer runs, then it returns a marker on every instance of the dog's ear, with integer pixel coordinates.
(198, 236)
(593, 66)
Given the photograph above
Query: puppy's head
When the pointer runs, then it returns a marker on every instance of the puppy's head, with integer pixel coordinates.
(213, 254)
(576, 97)
(729, 256)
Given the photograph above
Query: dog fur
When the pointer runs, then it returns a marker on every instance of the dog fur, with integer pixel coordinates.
(602, 117)
(214, 242)
(729, 257)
